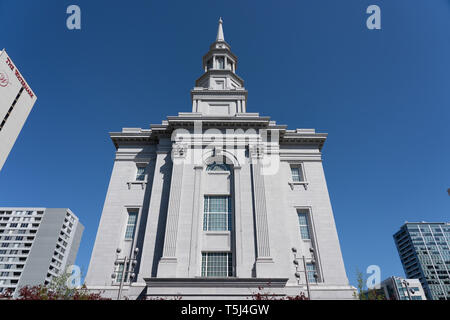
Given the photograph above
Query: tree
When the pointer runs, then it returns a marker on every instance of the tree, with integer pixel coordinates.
(370, 294)
(57, 289)
(261, 295)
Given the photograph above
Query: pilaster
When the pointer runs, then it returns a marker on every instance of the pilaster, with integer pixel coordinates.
(168, 264)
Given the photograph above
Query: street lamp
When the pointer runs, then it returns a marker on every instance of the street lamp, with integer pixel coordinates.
(406, 284)
(297, 274)
(128, 263)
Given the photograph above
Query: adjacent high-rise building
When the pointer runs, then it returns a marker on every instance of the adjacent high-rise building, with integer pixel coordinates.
(424, 249)
(16, 101)
(36, 244)
(217, 203)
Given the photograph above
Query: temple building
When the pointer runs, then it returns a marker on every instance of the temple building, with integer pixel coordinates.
(218, 203)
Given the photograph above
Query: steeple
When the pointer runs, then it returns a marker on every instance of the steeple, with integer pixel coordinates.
(220, 36)
(219, 91)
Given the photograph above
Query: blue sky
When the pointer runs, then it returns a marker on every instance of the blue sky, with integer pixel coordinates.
(382, 96)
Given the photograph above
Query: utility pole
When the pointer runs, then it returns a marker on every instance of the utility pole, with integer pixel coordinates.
(306, 277)
(404, 282)
(127, 270)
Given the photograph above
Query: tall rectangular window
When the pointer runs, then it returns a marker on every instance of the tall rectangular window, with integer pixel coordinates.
(303, 221)
(131, 225)
(217, 264)
(217, 213)
(297, 173)
(141, 173)
(220, 62)
(312, 275)
(120, 273)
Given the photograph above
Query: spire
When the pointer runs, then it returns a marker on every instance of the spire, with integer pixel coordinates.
(220, 36)
(219, 82)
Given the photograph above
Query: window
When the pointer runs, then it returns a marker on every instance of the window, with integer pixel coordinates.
(312, 275)
(120, 272)
(217, 264)
(209, 64)
(297, 173)
(218, 167)
(217, 213)
(131, 225)
(303, 222)
(141, 173)
(221, 62)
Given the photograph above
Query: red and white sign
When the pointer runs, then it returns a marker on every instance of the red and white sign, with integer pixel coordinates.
(4, 79)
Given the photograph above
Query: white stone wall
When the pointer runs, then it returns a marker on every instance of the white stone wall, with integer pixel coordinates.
(171, 237)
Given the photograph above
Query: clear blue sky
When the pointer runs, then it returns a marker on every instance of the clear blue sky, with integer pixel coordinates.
(383, 97)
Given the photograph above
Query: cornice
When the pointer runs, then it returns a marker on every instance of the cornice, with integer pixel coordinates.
(212, 72)
(216, 282)
(239, 121)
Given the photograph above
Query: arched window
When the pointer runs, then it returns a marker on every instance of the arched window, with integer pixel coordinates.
(218, 167)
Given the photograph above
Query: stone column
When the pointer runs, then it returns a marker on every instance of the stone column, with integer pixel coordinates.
(167, 267)
(264, 261)
(238, 221)
(193, 254)
(147, 266)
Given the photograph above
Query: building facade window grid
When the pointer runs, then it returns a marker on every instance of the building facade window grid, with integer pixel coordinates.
(217, 213)
(21, 245)
(297, 173)
(303, 221)
(431, 260)
(217, 264)
(311, 270)
(141, 173)
(131, 225)
(428, 243)
(120, 272)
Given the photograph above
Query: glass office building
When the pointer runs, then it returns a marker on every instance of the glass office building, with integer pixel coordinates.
(424, 250)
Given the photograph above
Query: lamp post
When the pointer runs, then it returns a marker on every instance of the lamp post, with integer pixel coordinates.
(127, 270)
(306, 277)
(294, 250)
(406, 284)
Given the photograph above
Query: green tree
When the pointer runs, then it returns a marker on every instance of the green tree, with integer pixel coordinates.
(58, 289)
(369, 294)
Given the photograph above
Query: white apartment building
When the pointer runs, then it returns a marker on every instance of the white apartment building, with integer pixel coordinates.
(36, 244)
(218, 202)
(396, 288)
(16, 101)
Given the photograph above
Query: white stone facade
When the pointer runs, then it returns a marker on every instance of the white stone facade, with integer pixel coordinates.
(269, 178)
